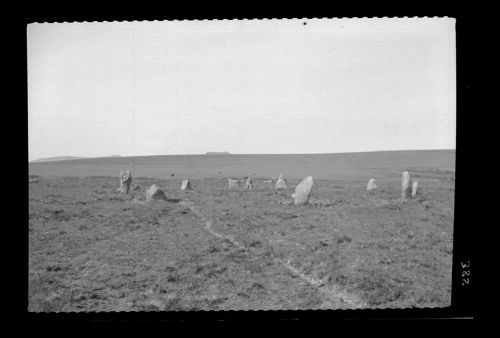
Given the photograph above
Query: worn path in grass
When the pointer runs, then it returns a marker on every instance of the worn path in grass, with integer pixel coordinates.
(334, 296)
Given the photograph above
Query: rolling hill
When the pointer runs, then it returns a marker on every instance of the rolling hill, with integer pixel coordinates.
(322, 166)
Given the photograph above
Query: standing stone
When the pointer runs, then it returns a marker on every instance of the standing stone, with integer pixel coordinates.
(371, 184)
(303, 190)
(155, 193)
(249, 183)
(233, 182)
(405, 185)
(33, 178)
(280, 183)
(125, 182)
(121, 181)
(414, 189)
(186, 185)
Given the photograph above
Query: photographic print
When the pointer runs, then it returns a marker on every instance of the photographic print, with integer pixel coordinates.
(277, 164)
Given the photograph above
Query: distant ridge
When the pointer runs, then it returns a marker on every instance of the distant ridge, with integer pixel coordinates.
(57, 158)
(218, 153)
(378, 165)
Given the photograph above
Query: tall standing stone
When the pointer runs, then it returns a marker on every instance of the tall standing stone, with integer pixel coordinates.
(155, 193)
(303, 190)
(280, 183)
(371, 184)
(249, 183)
(405, 185)
(414, 189)
(121, 181)
(186, 185)
(125, 181)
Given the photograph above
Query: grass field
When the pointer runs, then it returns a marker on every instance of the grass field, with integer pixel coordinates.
(93, 249)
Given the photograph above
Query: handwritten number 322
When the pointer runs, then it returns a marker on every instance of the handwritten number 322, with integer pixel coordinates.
(465, 273)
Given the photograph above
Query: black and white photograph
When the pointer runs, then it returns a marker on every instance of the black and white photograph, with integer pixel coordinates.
(276, 164)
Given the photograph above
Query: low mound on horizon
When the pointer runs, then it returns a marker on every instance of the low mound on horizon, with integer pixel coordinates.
(218, 153)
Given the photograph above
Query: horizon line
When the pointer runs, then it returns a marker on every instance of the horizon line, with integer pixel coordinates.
(226, 153)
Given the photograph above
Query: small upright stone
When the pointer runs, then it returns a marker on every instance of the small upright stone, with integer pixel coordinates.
(280, 183)
(233, 182)
(33, 178)
(249, 183)
(405, 185)
(155, 193)
(186, 185)
(121, 181)
(303, 190)
(414, 189)
(125, 181)
(371, 184)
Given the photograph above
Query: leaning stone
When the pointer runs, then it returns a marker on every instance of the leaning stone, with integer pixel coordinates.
(186, 185)
(405, 186)
(303, 190)
(280, 183)
(414, 189)
(155, 193)
(371, 184)
(249, 183)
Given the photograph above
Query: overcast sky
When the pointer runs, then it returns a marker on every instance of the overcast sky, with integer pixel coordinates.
(247, 87)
